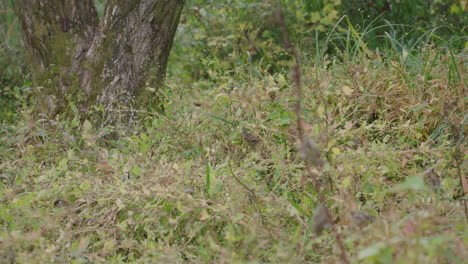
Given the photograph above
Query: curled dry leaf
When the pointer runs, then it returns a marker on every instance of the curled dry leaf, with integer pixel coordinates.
(105, 168)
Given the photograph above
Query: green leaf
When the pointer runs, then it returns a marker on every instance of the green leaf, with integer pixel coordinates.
(221, 119)
(208, 179)
(415, 182)
(284, 121)
(142, 146)
(63, 164)
(87, 125)
(346, 182)
(73, 108)
(455, 9)
(315, 17)
(136, 170)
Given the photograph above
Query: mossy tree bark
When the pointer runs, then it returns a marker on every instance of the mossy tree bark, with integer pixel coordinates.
(80, 61)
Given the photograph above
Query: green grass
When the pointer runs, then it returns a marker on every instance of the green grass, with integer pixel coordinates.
(387, 133)
(390, 121)
(12, 67)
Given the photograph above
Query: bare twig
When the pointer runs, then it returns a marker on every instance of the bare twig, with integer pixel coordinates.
(255, 199)
(296, 74)
(458, 150)
(242, 184)
(458, 157)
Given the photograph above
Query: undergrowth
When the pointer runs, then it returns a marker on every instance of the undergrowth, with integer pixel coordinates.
(389, 137)
(186, 187)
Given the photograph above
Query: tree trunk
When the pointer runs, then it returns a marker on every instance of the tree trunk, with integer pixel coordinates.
(78, 61)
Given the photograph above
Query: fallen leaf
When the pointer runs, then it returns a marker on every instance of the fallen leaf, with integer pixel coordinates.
(347, 90)
(409, 227)
(348, 125)
(204, 215)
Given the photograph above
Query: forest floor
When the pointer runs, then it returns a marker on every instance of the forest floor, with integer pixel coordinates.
(187, 187)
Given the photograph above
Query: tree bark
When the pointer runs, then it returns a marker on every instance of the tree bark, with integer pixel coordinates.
(79, 62)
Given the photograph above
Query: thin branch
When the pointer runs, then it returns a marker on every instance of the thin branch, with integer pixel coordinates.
(296, 74)
(242, 184)
(255, 198)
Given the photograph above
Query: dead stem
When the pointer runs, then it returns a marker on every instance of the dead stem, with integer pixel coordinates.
(296, 75)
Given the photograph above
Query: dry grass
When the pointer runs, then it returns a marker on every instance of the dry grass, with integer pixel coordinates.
(388, 131)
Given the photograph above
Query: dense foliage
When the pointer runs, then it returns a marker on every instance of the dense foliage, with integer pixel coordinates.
(384, 94)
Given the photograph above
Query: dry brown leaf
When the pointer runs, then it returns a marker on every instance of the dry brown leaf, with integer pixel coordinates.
(105, 168)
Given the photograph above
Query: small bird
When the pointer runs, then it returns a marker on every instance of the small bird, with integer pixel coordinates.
(361, 219)
(126, 176)
(249, 137)
(189, 190)
(61, 203)
(310, 153)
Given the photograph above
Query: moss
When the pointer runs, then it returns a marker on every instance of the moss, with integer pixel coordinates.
(98, 67)
(57, 71)
(87, 65)
(61, 46)
(56, 75)
(128, 6)
(40, 30)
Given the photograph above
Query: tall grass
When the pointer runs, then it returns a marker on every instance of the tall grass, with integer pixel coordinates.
(12, 60)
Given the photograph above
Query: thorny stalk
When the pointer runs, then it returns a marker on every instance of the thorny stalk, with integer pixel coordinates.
(296, 74)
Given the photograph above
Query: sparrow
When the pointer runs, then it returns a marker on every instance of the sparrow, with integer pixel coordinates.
(249, 137)
(361, 219)
(190, 190)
